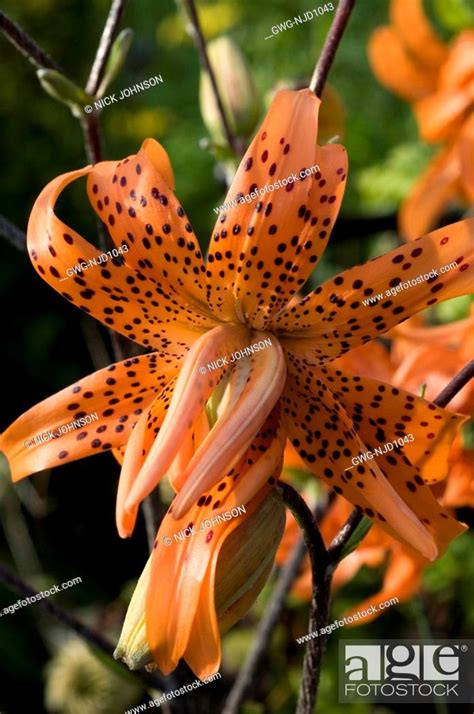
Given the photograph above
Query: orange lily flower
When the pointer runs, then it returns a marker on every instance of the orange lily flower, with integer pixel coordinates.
(200, 319)
(438, 80)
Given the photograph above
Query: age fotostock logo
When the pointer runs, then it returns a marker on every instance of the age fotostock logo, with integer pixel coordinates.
(406, 670)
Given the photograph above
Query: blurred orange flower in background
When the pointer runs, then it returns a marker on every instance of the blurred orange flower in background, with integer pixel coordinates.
(437, 79)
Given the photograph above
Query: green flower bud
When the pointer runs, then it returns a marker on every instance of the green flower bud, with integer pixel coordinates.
(63, 90)
(236, 88)
(117, 57)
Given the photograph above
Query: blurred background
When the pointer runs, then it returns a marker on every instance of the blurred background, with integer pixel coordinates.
(59, 526)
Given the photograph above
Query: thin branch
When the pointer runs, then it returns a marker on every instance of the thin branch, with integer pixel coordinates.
(455, 385)
(109, 33)
(14, 235)
(331, 43)
(65, 618)
(248, 673)
(195, 30)
(23, 42)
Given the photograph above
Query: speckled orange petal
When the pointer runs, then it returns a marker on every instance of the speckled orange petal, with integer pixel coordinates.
(430, 195)
(396, 69)
(441, 115)
(135, 201)
(264, 248)
(193, 388)
(327, 451)
(402, 580)
(136, 451)
(118, 394)
(236, 427)
(261, 464)
(189, 446)
(333, 319)
(178, 573)
(418, 36)
(120, 297)
(381, 413)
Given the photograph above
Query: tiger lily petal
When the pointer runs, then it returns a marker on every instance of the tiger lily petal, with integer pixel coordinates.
(116, 396)
(189, 397)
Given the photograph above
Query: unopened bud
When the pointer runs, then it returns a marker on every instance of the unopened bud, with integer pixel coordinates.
(63, 90)
(236, 88)
(117, 57)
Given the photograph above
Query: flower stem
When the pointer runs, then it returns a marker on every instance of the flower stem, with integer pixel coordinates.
(195, 31)
(455, 385)
(321, 583)
(109, 33)
(331, 43)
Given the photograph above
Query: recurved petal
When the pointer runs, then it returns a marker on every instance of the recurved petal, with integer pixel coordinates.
(121, 297)
(264, 247)
(136, 450)
(396, 69)
(430, 195)
(382, 412)
(441, 115)
(237, 426)
(134, 198)
(193, 388)
(333, 318)
(327, 451)
(417, 34)
(459, 66)
(117, 394)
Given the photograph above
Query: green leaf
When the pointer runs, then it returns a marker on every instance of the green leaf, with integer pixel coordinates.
(63, 90)
(359, 534)
(117, 57)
